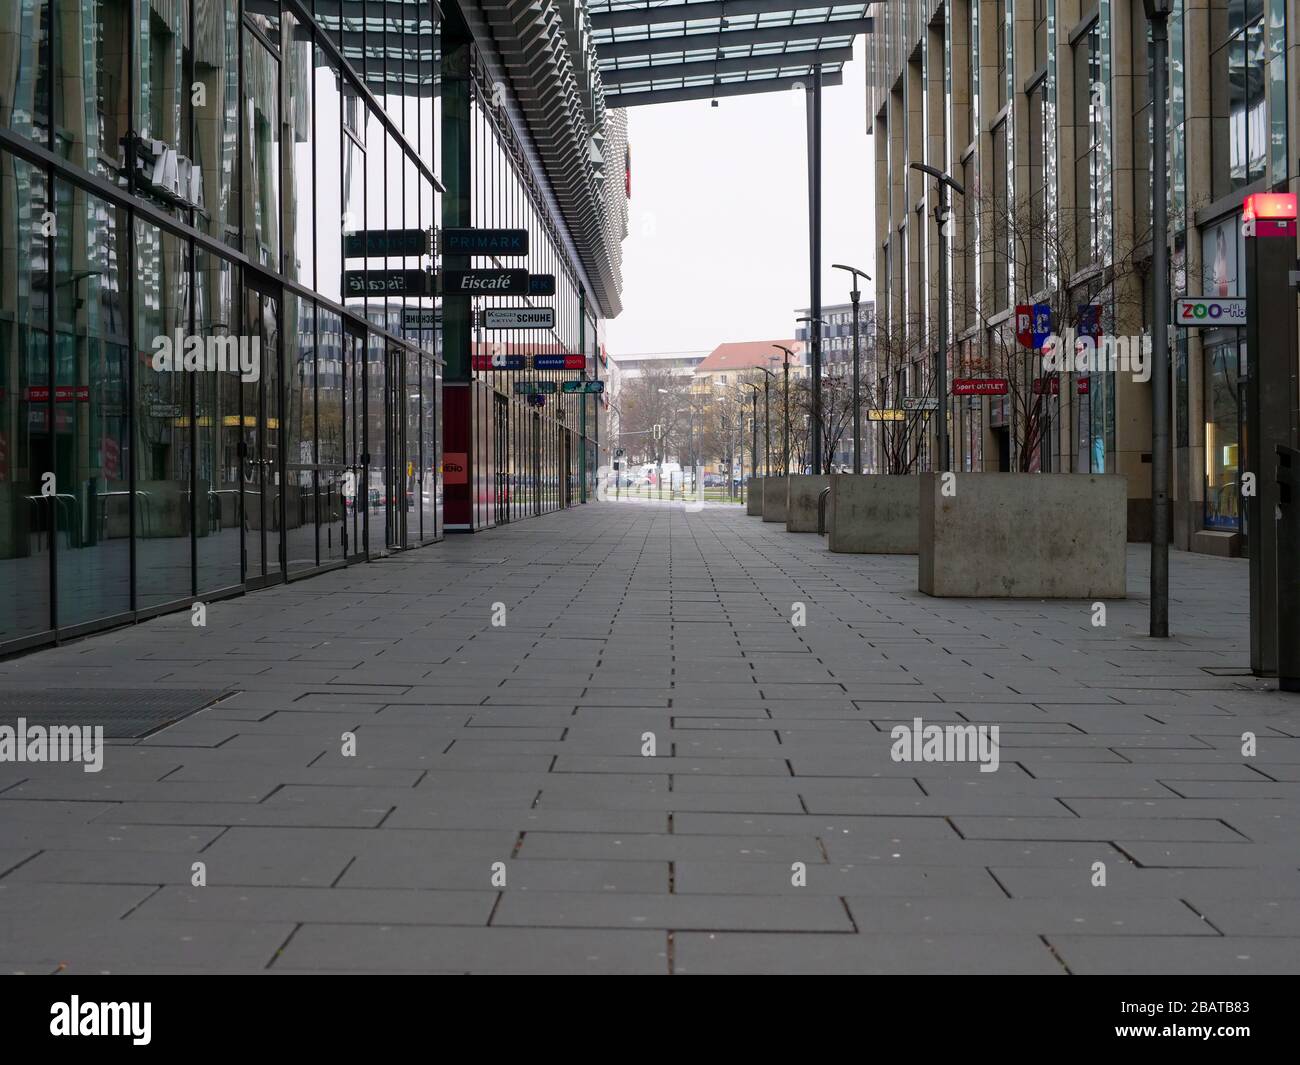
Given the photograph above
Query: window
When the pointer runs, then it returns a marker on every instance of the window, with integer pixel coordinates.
(1001, 206)
(261, 188)
(1038, 221)
(1089, 118)
(1040, 34)
(1143, 64)
(1239, 127)
(1000, 49)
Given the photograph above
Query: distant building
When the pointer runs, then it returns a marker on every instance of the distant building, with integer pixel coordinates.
(837, 361)
(678, 363)
(729, 363)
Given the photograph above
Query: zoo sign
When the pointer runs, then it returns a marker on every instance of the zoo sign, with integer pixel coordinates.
(1193, 312)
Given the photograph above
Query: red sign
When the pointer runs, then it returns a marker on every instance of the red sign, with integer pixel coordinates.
(1271, 205)
(455, 467)
(1047, 386)
(111, 458)
(1025, 325)
(62, 394)
(979, 386)
(1081, 386)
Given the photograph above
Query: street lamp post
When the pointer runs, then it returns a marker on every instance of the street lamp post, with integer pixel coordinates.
(785, 449)
(1158, 12)
(941, 370)
(857, 379)
(814, 330)
(767, 421)
(753, 421)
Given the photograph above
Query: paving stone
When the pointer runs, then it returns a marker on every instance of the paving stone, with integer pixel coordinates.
(522, 746)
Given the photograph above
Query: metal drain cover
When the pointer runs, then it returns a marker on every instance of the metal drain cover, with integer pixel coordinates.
(124, 713)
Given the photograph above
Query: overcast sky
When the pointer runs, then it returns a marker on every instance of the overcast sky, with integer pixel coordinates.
(717, 247)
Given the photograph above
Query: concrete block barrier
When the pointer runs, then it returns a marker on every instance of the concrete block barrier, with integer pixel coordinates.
(1023, 535)
(801, 501)
(774, 489)
(874, 514)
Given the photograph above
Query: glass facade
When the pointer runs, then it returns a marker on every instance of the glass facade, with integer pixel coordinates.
(221, 341)
(193, 400)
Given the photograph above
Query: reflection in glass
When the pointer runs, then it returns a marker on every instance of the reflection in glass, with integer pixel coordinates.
(162, 451)
(299, 166)
(93, 101)
(89, 439)
(216, 122)
(25, 517)
(332, 472)
(261, 186)
(300, 505)
(25, 100)
(217, 422)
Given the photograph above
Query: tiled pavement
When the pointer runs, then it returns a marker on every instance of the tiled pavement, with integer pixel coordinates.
(521, 744)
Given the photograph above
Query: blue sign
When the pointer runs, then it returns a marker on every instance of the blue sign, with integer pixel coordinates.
(1042, 327)
(541, 284)
(559, 362)
(1089, 320)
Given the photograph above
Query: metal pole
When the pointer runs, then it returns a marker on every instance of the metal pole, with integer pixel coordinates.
(785, 451)
(753, 451)
(767, 426)
(1159, 344)
(941, 371)
(857, 386)
(815, 257)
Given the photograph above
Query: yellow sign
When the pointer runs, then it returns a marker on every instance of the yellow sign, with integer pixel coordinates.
(886, 415)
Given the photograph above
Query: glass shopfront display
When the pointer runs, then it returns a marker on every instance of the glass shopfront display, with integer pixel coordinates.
(191, 405)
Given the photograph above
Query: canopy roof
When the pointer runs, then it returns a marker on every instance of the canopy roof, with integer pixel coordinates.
(666, 50)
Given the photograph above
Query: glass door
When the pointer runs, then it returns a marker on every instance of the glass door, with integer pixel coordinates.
(356, 473)
(397, 496)
(501, 452)
(262, 459)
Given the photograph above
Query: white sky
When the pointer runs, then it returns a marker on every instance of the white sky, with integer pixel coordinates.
(717, 247)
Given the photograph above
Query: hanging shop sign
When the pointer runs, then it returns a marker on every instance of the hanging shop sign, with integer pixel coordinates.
(485, 282)
(1197, 312)
(377, 242)
(541, 284)
(536, 388)
(518, 318)
(1033, 324)
(387, 283)
(583, 387)
(559, 362)
(417, 318)
(498, 362)
(483, 241)
(979, 386)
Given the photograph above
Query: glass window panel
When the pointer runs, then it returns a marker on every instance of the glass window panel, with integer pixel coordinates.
(261, 121)
(217, 428)
(90, 439)
(300, 490)
(93, 102)
(162, 416)
(328, 173)
(299, 160)
(330, 444)
(25, 446)
(25, 106)
(216, 118)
